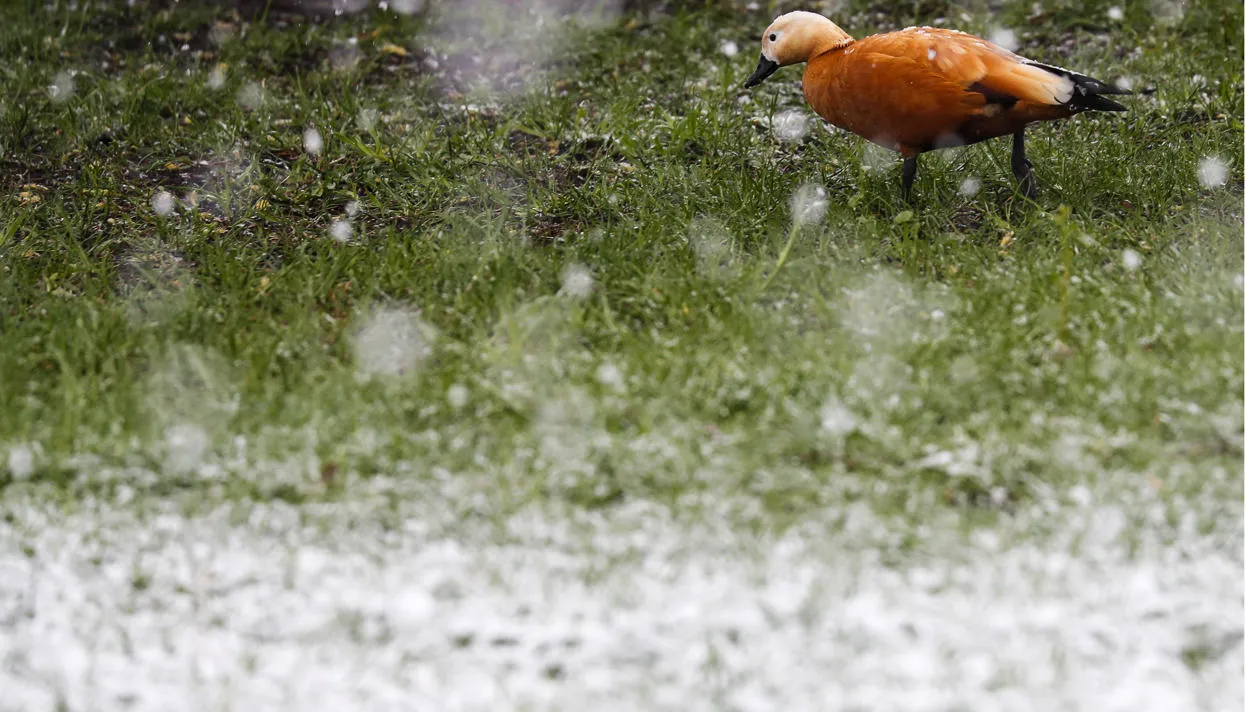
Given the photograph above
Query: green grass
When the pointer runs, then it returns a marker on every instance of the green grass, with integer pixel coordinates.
(966, 352)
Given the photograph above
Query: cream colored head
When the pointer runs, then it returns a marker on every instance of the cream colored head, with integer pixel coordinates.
(793, 38)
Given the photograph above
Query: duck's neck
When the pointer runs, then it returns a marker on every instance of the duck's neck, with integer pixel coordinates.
(829, 37)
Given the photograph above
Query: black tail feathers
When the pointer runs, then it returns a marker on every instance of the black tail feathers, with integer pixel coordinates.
(1087, 92)
(1097, 102)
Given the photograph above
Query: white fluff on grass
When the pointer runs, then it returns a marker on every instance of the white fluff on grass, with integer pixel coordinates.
(970, 187)
(457, 396)
(611, 376)
(419, 599)
(790, 125)
(1131, 260)
(390, 342)
(577, 281)
(21, 461)
(185, 447)
(313, 142)
(1167, 12)
(251, 96)
(406, 7)
(837, 420)
(218, 35)
(531, 34)
(162, 203)
(216, 78)
(808, 205)
(346, 56)
(1004, 38)
(349, 7)
(62, 87)
(341, 230)
(1212, 172)
(712, 244)
(876, 158)
(191, 393)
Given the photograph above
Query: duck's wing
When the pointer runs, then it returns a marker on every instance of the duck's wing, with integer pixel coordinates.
(1001, 76)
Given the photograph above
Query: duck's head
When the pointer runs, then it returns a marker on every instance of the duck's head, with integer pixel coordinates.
(793, 38)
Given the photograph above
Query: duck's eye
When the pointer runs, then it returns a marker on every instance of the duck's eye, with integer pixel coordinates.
(773, 37)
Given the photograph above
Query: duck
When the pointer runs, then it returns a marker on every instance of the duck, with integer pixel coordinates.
(922, 89)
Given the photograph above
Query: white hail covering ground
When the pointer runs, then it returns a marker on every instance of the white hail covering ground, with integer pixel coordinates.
(135, 606)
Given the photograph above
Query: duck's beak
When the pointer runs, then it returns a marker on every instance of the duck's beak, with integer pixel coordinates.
(765, 68)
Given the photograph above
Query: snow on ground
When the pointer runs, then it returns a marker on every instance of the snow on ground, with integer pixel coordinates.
(384, 602)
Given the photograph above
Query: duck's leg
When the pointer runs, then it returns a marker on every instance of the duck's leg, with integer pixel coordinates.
(1022, 167)
(909, 175)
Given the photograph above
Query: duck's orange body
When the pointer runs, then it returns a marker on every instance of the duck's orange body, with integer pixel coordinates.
(926, 88)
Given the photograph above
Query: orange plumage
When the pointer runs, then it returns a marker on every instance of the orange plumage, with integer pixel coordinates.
(925, 88)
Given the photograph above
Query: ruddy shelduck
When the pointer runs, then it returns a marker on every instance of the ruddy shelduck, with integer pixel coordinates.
(925, 88)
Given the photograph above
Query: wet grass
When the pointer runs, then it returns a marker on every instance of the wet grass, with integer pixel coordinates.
(969, 352)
